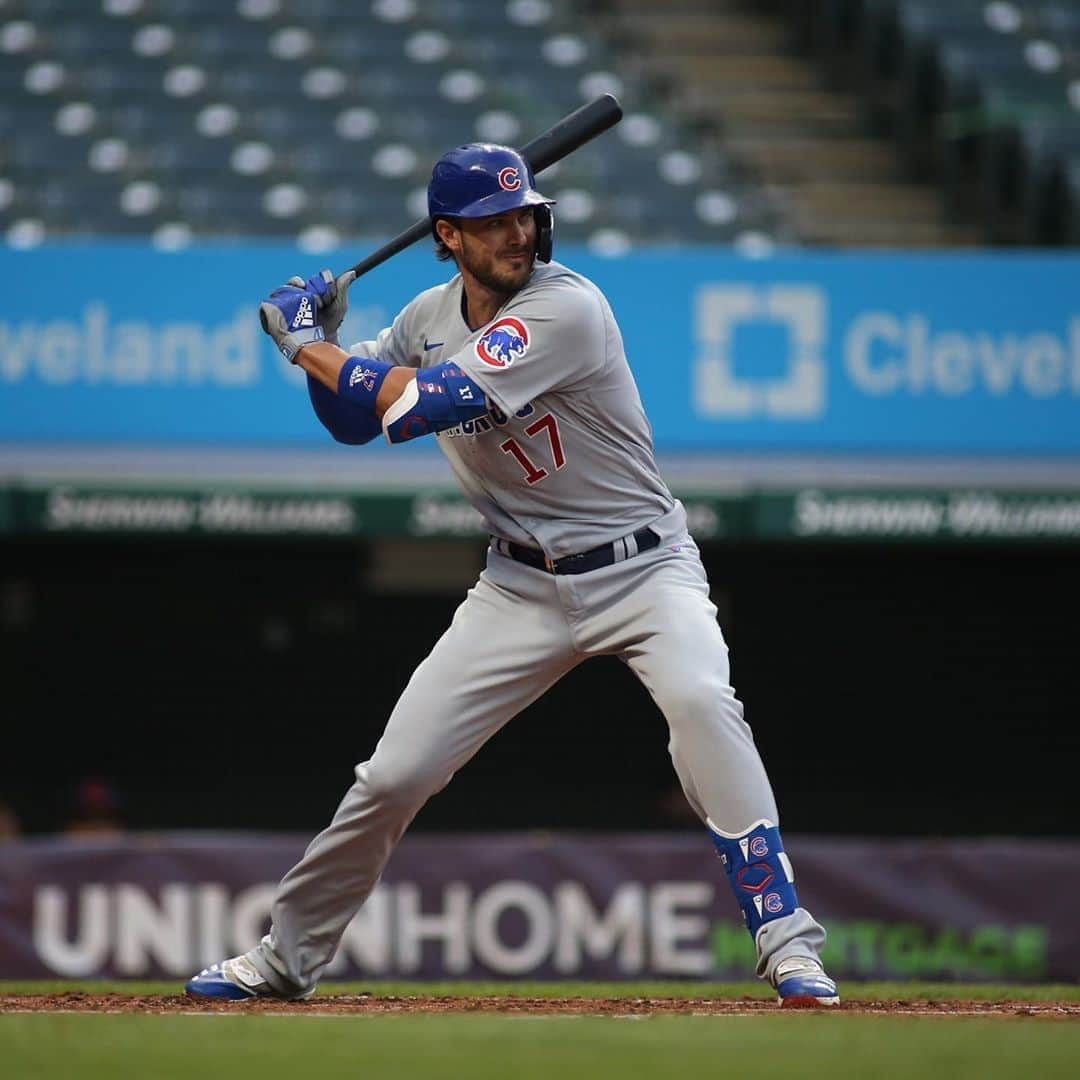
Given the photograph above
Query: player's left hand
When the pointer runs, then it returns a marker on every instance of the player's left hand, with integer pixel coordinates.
(299, 313)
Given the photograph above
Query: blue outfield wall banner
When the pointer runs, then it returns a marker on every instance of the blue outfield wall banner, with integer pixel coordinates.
(544, 906)
(878, 352)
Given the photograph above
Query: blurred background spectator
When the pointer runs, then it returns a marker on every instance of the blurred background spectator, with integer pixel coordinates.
(9, 823)
(94, 809)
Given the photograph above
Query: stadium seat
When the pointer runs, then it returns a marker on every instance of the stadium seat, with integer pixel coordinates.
(1060, 20)
(84, 207)
(825, 29)
(894, 39)
(937, 46)
(259, 94)
(1019, 174)
(1049, 211)
(1015, 168)
(986, 97)
(1070, 231)
(977, 94)
(252, 96)
(43, 151)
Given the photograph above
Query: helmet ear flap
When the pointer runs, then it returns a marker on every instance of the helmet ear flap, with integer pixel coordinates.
(545, 227)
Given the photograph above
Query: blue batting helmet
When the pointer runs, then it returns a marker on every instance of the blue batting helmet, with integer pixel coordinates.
(479, 179)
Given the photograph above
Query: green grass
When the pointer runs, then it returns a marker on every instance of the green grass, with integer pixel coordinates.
(486, 1046)
(479, 1047)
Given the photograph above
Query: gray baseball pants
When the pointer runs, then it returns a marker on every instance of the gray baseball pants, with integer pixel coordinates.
(515, 634)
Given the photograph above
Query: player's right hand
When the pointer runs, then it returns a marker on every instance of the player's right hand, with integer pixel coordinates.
(333, 299)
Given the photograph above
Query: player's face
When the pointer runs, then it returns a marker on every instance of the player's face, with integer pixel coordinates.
(499, 250)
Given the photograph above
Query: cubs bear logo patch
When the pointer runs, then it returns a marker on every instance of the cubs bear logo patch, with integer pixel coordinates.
(505, 341)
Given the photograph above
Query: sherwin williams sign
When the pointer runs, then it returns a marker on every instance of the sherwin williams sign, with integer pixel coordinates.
(965, 516)
(868, 352)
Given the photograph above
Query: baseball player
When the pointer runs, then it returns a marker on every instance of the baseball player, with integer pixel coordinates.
(516, 367)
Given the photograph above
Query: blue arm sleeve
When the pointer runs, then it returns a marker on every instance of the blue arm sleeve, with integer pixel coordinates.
(346, 421)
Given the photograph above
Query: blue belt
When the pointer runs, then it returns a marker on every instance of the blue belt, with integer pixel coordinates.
(584, 561)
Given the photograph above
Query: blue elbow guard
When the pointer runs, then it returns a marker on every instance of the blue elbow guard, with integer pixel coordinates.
(438, 398)
(346, 421)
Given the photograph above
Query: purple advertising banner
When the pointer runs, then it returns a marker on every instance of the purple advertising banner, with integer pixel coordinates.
(544, 906)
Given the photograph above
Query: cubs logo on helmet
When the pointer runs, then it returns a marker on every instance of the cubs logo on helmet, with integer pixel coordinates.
(509, 179)
(503, 342)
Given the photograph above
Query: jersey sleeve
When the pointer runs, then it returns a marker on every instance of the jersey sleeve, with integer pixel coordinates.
(391, 344)
(547, 339)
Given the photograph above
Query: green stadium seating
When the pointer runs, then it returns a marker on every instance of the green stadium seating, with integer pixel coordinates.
(190, 96)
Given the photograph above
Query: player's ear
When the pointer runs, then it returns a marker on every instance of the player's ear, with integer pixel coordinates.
(449, 233)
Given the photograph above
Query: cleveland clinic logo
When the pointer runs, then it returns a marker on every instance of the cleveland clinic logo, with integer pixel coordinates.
(725, 384)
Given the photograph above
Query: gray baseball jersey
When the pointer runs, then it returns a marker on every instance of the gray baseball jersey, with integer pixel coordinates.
(563, 460)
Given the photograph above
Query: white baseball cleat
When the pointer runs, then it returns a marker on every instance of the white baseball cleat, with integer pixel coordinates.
(233, 980)
(801, 981)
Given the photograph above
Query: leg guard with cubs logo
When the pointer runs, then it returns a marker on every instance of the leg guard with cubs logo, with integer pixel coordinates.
(763, 882)
(760, 873)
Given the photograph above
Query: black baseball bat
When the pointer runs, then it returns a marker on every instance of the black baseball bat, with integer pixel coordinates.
(563, 138)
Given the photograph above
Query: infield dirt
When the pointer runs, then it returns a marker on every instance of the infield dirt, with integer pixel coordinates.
(389, 1004)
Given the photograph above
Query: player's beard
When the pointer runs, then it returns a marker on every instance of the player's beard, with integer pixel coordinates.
(487, 271)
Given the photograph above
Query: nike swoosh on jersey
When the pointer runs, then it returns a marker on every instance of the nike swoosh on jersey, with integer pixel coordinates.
(429, 345)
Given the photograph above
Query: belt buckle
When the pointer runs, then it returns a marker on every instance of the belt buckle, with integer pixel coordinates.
(549, 565)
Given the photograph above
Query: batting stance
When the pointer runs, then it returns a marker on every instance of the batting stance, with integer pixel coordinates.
(516, 366)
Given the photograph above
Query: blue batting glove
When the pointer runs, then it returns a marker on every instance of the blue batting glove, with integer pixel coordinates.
(333, 296)
(299, 313)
